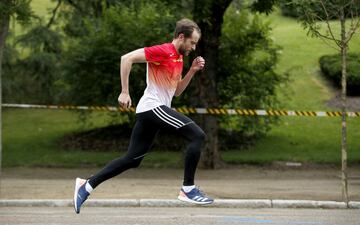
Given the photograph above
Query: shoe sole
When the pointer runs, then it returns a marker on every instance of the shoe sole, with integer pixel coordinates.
(184, 199)
(78, 183)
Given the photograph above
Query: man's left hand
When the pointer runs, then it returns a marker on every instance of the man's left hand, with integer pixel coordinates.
(198, 64)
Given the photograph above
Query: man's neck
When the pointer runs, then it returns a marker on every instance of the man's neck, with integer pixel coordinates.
(176, 43)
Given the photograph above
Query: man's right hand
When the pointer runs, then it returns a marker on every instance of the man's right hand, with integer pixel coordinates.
(124, 100)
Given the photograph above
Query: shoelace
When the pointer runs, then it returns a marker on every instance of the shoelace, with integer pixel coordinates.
(200, 191)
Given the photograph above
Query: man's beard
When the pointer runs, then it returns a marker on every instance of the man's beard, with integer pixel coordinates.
(183, 51)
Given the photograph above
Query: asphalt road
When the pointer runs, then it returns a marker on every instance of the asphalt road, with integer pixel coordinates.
(176, 216)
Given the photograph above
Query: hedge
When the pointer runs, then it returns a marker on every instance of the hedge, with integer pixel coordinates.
(330, 66)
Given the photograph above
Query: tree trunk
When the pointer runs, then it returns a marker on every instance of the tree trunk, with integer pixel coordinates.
(209, 16)
(344, 46)
(4, 27)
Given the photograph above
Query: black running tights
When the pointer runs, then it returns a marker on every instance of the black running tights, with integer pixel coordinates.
(146, 127)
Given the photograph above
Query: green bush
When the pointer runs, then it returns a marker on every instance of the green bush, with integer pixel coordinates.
(91, 68)
(331, 67)
(247, 77)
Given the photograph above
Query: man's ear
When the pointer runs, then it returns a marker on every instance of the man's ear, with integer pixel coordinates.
(181, 36)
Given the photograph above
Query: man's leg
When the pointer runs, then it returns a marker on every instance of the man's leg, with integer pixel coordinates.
(195, 135)
(141, 140)
(171, 120)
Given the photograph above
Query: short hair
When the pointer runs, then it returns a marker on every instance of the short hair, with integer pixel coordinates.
(186, 27)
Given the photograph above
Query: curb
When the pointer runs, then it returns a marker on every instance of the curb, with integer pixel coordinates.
(218, 203)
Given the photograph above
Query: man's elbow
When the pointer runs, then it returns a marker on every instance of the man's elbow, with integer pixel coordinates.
(124, 58)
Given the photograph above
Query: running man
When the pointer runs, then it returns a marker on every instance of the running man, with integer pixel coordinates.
(153, 113)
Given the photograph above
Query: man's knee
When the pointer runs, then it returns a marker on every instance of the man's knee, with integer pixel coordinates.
(202, 135)
(199, 135)
(194, 132)
(134, 162)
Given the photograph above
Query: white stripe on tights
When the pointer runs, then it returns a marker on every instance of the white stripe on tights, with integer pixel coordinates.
(165, 120)
(171, 117)
(168, 118)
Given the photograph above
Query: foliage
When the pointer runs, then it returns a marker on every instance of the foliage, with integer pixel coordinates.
(331, 67)
(38, 71)
(262, 6)
(9, 83)
(31, 71)
(291, 8)
(19, 9)
(312, 20)
(247, 77)
(92, 63)
(78, 13)
(43, 64)
(21, 12)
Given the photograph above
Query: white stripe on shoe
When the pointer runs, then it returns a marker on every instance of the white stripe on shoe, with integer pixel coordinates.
(197, 198)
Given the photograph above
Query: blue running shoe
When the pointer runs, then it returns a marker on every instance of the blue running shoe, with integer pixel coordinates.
(80, 194)
(195, 196)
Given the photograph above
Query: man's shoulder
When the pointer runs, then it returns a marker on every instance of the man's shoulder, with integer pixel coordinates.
(165, 46)
(165, 49)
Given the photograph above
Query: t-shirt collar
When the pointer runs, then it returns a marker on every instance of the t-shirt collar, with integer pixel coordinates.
(175, 50)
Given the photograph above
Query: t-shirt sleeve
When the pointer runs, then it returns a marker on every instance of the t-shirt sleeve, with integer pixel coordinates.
(155, 53)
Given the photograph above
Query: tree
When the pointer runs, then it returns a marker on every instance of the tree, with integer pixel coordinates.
(42, 65)
(20, 9)
(209, 15)
(32, 78)
(313, 22)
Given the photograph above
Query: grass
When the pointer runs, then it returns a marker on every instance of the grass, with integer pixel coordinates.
(302, 140)
(29, 136)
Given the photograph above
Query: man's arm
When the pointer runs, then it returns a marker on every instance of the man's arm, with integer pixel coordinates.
(198, 64)
(137, 56)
